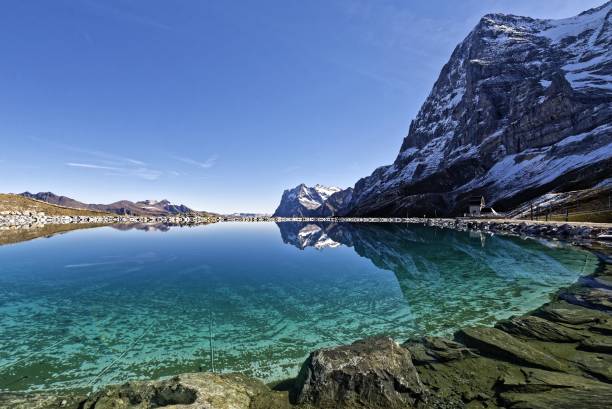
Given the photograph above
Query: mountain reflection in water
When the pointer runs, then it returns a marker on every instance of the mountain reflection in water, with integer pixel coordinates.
(468, 277)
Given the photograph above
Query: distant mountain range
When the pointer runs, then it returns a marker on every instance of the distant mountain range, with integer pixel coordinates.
(122, 207)
(241, 214)
(522, 108)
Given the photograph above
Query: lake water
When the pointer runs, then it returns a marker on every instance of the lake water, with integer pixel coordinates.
(104, 305)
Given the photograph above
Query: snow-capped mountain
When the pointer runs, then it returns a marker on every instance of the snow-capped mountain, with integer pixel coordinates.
(164, 206)
(522, 108)
(305, 201)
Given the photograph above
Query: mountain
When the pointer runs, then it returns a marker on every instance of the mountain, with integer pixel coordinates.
(163, 206)
(52, 198)
(243, 214)
(20, 203)
(336, 203)
(122, 207)
(304, 201)
(522, 108)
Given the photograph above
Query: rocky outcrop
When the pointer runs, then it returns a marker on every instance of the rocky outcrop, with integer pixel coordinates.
(337, 203)
(304, 201)
(190, 391)
(372, 373)
(522, 108)
(525, 228)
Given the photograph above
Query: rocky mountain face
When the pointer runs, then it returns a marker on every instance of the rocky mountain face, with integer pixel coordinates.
(123, 207)
(523, 107)
(308, 201)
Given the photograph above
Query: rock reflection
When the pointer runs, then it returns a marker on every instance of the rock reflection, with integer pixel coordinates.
(468, 277)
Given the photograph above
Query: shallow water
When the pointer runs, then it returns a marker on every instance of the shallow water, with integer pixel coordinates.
(99, 306)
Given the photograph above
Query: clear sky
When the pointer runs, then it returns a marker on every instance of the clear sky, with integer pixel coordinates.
(219, 105)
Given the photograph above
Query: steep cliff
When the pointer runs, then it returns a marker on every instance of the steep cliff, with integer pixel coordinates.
(522, 108)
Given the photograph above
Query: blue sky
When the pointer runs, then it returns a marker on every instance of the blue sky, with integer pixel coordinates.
(219, 105)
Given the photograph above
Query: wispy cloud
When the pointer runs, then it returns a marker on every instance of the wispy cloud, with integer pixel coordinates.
(140, 172)
(208, 163)
(90, 166)
(110, 163)
(146, 173)
(103, 156)
(109, 158)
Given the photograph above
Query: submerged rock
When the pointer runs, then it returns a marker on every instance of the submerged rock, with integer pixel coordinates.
(372, 373)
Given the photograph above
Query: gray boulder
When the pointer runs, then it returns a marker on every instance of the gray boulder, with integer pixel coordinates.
(372, 373)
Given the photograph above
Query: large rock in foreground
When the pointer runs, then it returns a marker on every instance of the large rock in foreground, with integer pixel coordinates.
(189, 391)
(372, 373)
(202, 390)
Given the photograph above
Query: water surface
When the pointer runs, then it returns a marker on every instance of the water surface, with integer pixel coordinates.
(104, 305)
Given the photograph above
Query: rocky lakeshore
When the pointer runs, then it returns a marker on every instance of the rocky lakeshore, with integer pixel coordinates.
(558, 356)
(25, 219)
(548, 229)
(553, 230)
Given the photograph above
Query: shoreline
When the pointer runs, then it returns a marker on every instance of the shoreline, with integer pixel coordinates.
(16, 219)
(559, 355)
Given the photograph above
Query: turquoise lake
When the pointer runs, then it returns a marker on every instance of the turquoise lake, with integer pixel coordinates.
(105, 305)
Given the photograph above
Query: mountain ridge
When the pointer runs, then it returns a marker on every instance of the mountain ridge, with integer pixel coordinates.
(121, 207)
(306, 201)
(522, 108)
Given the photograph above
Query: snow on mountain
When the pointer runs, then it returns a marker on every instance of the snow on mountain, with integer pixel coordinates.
(325, 192)
(523, 107)
(163, 206)
(305, 201)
